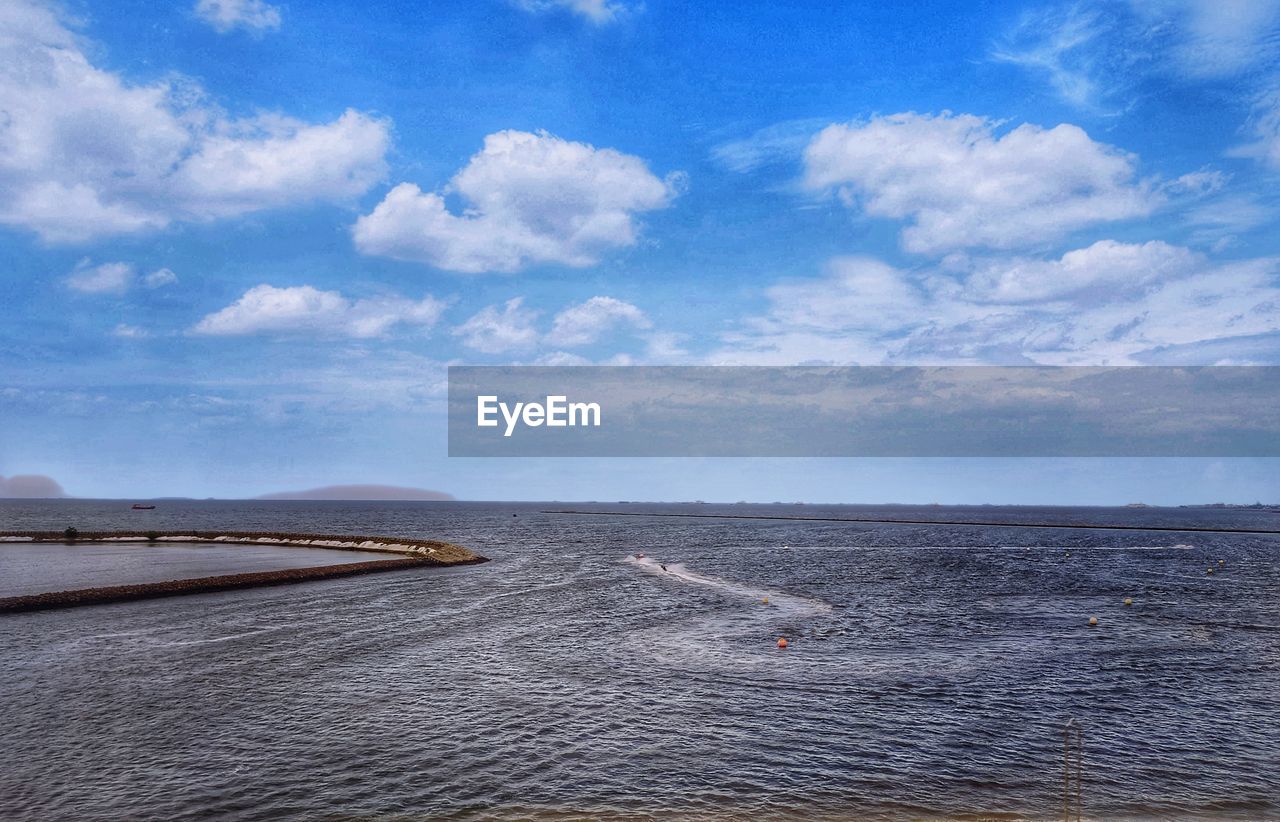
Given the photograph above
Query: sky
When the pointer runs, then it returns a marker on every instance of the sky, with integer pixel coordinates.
(241, 241)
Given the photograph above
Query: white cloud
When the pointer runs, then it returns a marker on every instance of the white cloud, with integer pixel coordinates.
(1108, 304)
(1218, 223)
(159, 278)
(1093, 51)
(1213, 38)
(114, 278)
(531, 198)
(597, 11)
(104, 278)
(84, 153)
(1105, 271)
(962, 184)
(1061, 44)
(273, 161)
(1265, 127)
(666, 348)
(586, 322)
(129, 332)
(774, 144)
(304, 310)
(562, 358)
(864, 294)
(495, 331)
(225, 15)
(512, 327)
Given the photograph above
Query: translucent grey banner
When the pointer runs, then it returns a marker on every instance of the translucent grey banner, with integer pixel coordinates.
(963, 411)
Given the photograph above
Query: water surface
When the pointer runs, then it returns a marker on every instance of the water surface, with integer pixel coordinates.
(930, 672)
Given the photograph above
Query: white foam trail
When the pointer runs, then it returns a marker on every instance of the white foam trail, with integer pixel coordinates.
(677, 570)
(906, 548)
(230, 638)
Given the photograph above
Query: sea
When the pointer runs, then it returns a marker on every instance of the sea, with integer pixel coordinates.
(931, 670)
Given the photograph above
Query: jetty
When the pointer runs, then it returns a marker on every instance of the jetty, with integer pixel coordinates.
(403, 553)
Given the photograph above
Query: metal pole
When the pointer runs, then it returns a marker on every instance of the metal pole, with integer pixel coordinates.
(1069, 730)
(1079, 773)
(1066, 772)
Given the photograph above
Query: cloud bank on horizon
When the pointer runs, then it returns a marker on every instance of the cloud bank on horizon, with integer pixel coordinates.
(349, 208)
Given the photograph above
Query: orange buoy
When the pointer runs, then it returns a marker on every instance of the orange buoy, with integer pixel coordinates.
(1093, 620)
(764, 601)
(782, 642)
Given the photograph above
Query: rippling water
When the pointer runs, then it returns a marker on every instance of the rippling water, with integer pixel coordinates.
(930, 671)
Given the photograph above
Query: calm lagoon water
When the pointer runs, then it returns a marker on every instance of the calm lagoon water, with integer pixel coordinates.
(37, 569)
(930, 672)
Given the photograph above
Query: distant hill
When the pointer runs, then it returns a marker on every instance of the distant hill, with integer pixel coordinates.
(362, 492)
(30, 486)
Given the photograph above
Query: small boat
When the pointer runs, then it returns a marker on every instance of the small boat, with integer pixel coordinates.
(137, 506)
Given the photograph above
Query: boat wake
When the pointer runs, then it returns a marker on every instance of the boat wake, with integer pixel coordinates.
(776, 599)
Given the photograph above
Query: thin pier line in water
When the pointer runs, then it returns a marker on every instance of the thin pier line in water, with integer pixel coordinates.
(975, 523)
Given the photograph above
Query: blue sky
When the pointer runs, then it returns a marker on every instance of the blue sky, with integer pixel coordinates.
(242, 240)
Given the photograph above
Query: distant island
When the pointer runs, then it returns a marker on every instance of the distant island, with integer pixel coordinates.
(30, 486)
(362, 492)
(1257, 506)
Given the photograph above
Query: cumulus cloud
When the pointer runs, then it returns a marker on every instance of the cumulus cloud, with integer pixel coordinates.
(597, 11)
(160, 278)
(1106, 270)
(531, 198)
(225, 15)
(494, 330)
(586, 322)
(129, 332)
(563, 358)
(961, 183)
(304, 310)
(273, 161)
(114, 278)
(512, 327)
(865, 294)
(104, 278)
(84, 153)
(1108, 304)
